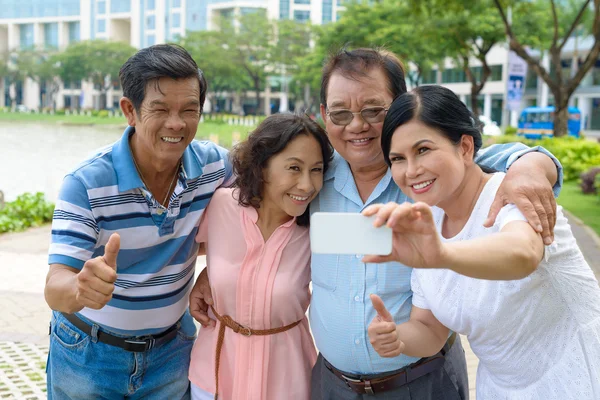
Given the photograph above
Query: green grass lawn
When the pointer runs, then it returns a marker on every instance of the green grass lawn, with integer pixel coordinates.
(220, 132)
(584, 206)
(61, 119)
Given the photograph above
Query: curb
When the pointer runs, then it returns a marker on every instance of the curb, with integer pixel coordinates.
(586, 228)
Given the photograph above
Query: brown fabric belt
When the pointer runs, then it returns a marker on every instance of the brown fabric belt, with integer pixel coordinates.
(406, 375)
(227, 321)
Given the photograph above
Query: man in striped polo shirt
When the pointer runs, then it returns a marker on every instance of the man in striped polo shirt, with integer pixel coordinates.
(122, 255)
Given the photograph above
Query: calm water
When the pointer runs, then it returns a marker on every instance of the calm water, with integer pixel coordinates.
(36, 157)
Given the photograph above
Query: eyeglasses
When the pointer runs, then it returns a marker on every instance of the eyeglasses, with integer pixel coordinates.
(371, 115)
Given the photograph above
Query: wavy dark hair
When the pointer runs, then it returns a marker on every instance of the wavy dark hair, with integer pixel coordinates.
(438, 108)
(251, 156)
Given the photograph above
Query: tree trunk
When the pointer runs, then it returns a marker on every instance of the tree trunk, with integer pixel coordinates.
(474, 101)
(257, 95)
(561, 118)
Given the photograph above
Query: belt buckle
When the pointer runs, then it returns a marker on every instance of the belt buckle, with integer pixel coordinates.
(245, 331)
(130, 345)
(368, 387)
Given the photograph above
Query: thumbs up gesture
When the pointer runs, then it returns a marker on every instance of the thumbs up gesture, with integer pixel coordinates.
(96, 280)
(382, 331)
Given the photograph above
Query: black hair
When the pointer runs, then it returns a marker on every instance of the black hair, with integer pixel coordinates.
(357, 63)
(272, 136)
(437, 107)
(155, 62)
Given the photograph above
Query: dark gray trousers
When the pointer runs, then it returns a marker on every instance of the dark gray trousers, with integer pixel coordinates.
(447, 383)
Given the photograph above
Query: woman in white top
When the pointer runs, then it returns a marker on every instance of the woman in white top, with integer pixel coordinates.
(531, 313)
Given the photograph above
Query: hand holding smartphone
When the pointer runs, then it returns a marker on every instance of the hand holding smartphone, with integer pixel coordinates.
(348, 233)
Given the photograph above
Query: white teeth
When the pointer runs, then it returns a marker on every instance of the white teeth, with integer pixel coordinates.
(423, 185)
(298, 198)
(172, 139)
(360, 140)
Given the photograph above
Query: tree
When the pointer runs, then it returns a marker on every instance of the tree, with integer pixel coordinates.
(246, 49)
(214, 58)
(12, 73)
(98, 61)
(393, 25)
(566, 17)
(469, 33)
(40, 66)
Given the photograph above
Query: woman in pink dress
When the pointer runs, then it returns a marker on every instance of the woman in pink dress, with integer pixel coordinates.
(258, 256)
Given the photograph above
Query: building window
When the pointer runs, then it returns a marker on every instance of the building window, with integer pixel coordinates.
(596, 74)
(150, 5)
(301, 15)
(531, 79)
(176, 20)
(284, 9)
(429, 77)
(74, 32)
(26, 36)
(150, 22)
(301, 1)
(453, 75)
(120, 6)
(176, 3)
(101, 26)
(150, 40)
(51, 35)
(496, 72)
(100, 7)
(327, 11)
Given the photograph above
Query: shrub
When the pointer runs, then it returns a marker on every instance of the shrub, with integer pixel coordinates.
(26, 211)
(575, 155)
(590, 180)
(103, 113)
(510, 130)
(60, 111)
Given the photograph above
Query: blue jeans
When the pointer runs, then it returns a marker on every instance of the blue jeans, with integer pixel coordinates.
(81, 367)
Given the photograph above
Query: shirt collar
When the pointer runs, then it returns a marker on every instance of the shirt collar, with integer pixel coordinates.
(343, 181)
(128, 177)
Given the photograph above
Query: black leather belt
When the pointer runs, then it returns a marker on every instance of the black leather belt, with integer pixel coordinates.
(136, 345)
(360, 385)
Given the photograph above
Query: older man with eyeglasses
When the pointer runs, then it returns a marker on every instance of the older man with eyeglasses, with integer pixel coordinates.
(357, 88)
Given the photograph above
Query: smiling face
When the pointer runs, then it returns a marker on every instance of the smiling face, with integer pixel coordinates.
(359, 142)
(167, 120)
(293, 178)
(426, 165)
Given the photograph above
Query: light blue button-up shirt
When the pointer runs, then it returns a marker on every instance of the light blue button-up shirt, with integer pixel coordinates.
(340, 309)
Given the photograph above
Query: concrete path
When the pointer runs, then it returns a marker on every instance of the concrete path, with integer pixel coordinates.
(24, 317)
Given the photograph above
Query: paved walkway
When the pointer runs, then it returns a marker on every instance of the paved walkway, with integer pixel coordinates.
(25, 315)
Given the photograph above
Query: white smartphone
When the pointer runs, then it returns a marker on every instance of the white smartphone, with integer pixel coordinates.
(348, 233)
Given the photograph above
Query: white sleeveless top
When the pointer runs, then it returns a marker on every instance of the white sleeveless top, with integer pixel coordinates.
(536, 338)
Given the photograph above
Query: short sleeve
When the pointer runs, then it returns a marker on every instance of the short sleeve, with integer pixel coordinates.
(202, 235)
(74, 228)
(418, 299)
(501, 156)
(508, 213)
(229, 176)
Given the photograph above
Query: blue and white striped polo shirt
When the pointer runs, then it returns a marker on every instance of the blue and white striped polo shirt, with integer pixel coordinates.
(155, 266)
